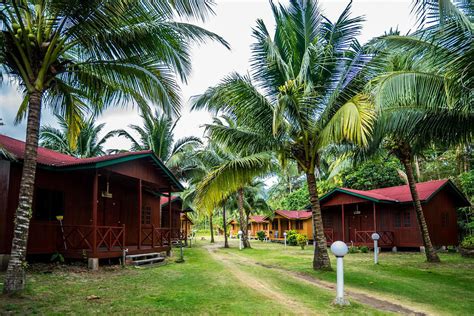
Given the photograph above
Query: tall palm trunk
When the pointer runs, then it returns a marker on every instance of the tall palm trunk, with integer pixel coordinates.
(15, 277)
(431, 255)
(211, 228)
(242, 221)
(226, 242)
(321, 257)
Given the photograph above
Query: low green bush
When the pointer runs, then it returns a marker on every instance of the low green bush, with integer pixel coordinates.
(261, 235)
(291, 237)
(353, 249)
(364, 249)
(301, 240)
(468, 242)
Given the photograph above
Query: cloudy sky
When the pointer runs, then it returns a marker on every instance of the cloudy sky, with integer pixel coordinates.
(234, 20)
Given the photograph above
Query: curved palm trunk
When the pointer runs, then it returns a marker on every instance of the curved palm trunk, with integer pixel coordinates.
(242, 220)
(224, 223)
(211, 227)
(321, 257)
(431, 255)
(15, 277)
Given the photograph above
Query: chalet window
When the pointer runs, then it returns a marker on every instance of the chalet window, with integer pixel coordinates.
(146, 215)
(274, 225)
(444, 219)
(48, 205)
(406, 219)
(299, 225)
(402, 219)
(327, 221)
(265, 226)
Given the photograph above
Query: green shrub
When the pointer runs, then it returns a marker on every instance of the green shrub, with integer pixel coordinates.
(364, 249)
(468, 242)
(291, 237)
(261, 235)
(301, 240)
(353, 249)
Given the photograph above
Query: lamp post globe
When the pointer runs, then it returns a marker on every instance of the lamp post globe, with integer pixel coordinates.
(284, 235)
(375, 236)
(339, 248)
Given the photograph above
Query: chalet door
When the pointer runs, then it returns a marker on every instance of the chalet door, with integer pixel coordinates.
(109, 212)
(354, 223)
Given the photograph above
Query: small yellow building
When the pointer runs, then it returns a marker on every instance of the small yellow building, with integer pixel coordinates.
(284, 220)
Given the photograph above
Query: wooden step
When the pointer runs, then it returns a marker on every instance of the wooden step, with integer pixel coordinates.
(148, 261)
(141, 255)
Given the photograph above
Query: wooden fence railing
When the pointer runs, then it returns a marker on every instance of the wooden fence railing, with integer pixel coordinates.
(365, 237)
(81, 238)
(329, 234)
(155, 236)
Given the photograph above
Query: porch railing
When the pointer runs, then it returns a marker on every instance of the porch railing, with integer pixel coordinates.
(365, 237)
(92, 239)
(155, 236)
(329, 234)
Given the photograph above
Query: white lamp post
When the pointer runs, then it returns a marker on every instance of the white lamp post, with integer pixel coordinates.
(284, 235)
(376, 238)
(240, 240)
(339, 249)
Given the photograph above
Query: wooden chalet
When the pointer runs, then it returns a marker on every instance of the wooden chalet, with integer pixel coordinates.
(285, 220)
(258, 223)
(234, 228)
(353, 215)
(107, 204)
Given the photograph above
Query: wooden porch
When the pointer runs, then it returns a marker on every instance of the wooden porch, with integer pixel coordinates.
(79, 241)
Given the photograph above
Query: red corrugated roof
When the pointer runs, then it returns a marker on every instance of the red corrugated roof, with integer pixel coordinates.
(50, 157)
(294, 214)
(258, 218)
(165, 199)
(401, 193)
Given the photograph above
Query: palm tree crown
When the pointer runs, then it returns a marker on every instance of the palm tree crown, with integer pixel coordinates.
(304, 93)
(157, 134)
(88, 143)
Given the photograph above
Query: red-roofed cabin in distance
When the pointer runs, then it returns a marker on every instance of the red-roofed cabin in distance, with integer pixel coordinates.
(181, 224)
(353, 215)
(258, 223)
(108, 203)
(284, 220)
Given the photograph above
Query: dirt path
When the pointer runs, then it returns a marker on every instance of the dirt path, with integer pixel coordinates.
(359, 296)
(260, 286)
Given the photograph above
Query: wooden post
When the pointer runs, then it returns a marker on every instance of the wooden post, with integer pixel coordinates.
(375, 218)
(95, 193)
(343, 225)
(169, 219)
(139, 213)
(279, 228)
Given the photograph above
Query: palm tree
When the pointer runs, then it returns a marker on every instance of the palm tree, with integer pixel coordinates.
(157, 134)
(302, 95)
(229, 173)
(87, 144)
(426, 94)
(70, 55)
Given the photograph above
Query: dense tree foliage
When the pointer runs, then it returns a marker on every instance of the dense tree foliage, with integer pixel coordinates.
(373, 174)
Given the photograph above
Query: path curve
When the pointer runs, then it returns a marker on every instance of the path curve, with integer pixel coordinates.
(262, 287)
(377, 303)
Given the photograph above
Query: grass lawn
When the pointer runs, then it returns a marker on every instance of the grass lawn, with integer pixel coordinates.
(223, 283)
(446, 288)
(201, 285)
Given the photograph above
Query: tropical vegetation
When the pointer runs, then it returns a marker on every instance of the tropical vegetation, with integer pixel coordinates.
(74, 56)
